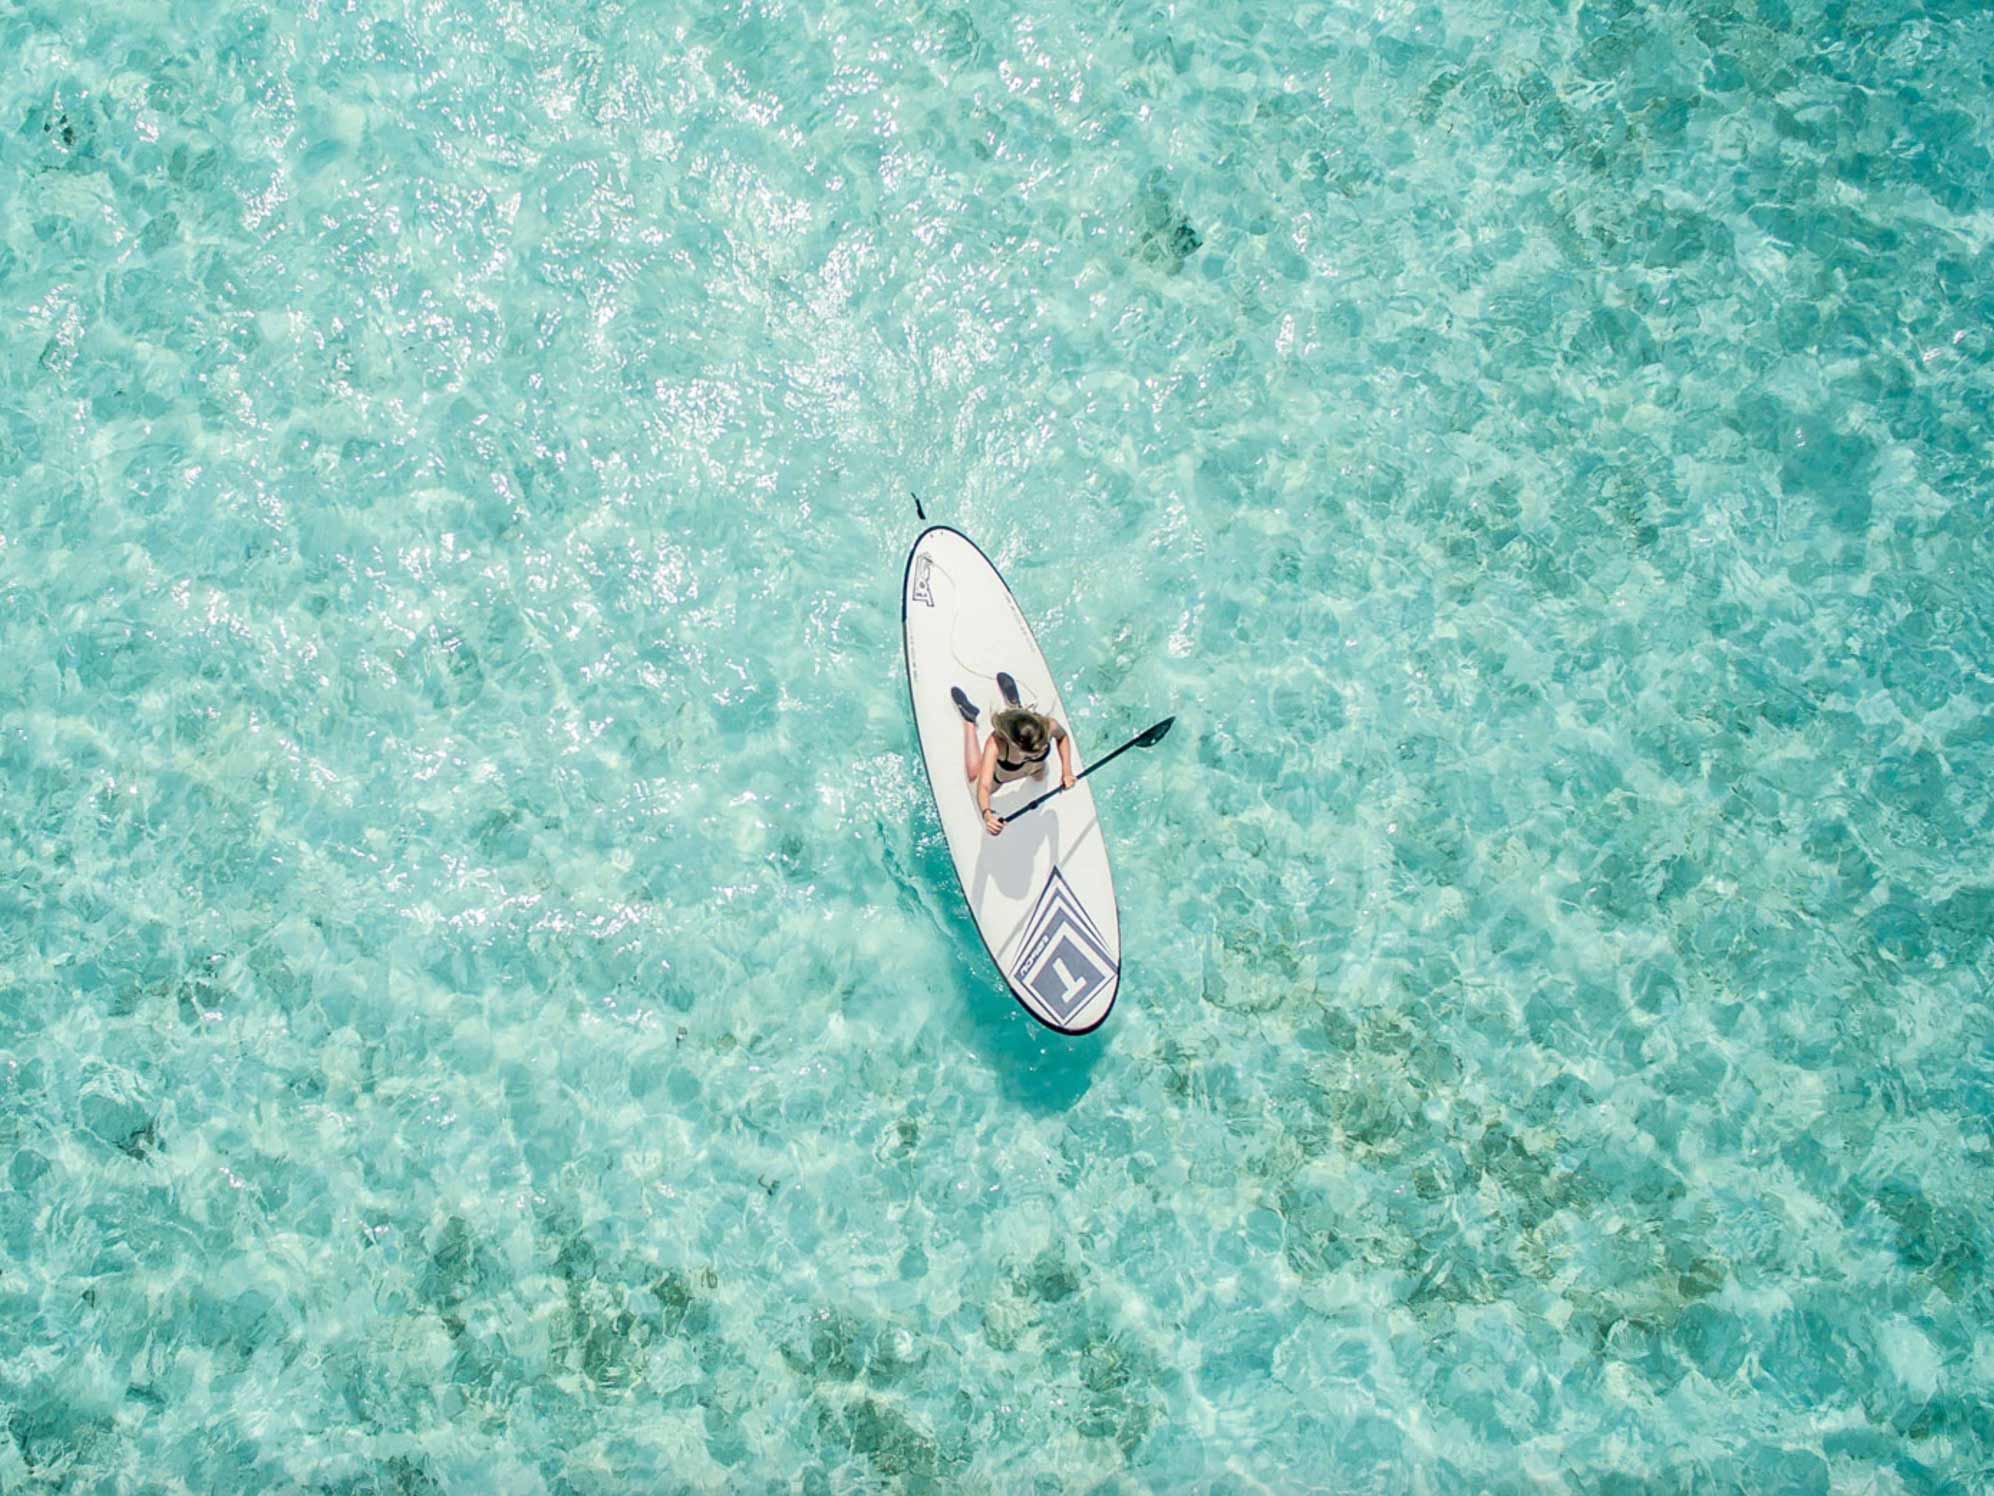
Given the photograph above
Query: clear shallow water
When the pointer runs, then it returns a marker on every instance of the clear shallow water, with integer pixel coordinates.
(485, 1002)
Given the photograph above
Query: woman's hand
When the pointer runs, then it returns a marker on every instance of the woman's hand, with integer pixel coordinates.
(991, 824)
(1065, 777)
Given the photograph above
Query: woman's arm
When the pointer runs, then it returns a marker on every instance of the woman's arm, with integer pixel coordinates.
(986, 776)
(1065, 757)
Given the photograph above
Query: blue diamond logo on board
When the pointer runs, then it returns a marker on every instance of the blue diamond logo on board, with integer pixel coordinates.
(1063, 962)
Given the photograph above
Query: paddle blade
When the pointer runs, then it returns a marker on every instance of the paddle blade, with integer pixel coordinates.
(1156, 734)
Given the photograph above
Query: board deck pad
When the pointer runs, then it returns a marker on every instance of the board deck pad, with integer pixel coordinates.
(1041, 894)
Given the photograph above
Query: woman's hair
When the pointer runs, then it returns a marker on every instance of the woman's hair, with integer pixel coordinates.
(1028, 730)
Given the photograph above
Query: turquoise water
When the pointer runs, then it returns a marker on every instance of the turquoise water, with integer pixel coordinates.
(484, 1003)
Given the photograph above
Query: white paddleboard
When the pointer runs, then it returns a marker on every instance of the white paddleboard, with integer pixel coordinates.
(1040, 893)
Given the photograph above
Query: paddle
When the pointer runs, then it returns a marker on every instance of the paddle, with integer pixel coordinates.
(1149, 737)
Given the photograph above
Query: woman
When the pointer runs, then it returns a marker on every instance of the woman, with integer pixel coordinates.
(1019, 745)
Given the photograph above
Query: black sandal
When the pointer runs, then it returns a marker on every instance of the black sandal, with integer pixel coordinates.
(1009, 687)
(963, 704)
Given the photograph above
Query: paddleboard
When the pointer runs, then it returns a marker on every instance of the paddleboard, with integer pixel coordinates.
(1041, 893)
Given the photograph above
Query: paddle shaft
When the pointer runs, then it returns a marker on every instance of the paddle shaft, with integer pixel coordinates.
(1147, 736)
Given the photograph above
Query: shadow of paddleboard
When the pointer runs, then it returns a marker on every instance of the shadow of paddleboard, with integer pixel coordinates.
(1034, 1066)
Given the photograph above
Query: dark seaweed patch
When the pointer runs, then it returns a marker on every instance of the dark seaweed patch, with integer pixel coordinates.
(1166, 237)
